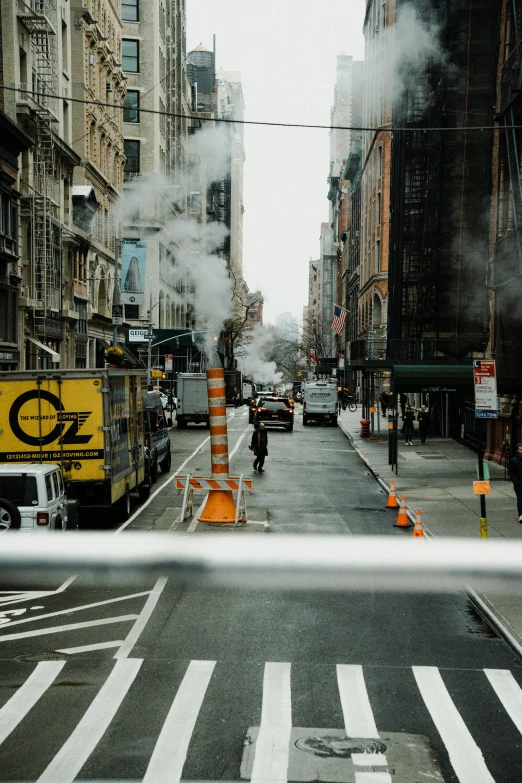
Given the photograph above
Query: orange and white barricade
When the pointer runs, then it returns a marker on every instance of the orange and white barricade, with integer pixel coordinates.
(193, 483)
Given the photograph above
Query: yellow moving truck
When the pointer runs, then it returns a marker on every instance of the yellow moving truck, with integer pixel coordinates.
(88, 421)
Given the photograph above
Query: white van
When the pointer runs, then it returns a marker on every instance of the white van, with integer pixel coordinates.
(32, 497)
(320, 402)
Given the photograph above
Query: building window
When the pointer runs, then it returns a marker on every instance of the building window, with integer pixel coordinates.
(8, 314)
(130, 55)
(130, 10)
(132, 153)
(131, 107)
(81, 308)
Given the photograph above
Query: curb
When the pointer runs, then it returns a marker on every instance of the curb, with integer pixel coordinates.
(493, 619)
(490, 616)
(376, 476)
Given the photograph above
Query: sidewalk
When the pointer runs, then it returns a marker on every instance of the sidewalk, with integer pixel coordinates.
(437, 478)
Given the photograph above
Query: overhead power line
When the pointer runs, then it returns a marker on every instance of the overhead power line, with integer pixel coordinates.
(383, 128)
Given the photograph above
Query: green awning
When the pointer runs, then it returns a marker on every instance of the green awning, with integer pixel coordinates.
(431, 377)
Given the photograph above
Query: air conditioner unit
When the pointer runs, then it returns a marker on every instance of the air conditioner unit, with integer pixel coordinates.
(24, 290)
(109, 87)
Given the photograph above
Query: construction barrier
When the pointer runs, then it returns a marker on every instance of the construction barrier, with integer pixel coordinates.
(392, 501)
(418, 530)
(220, 506)
(365, 428)
(402, 517)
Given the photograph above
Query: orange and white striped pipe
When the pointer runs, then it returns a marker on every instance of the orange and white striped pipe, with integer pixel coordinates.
(217, 408)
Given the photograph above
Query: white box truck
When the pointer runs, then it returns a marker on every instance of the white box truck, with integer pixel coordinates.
(320, 402)
(192, 399)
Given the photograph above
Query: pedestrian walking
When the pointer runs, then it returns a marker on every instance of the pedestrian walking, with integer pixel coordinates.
(515, 474)
(383, 399)
(236, 398)
(423, 417)
(259, 445)
(407, 427)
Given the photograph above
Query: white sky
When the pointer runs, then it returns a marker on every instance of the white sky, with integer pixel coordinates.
(286, 52)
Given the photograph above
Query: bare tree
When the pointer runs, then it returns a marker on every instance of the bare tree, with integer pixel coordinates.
(316, 339)
(238, 330)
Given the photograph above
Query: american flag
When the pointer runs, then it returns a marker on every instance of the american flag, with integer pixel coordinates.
(338, 320)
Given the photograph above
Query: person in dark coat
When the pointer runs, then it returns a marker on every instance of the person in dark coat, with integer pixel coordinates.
(423, 417)
(383, 399)
(515, 474)
(408, 418)
(259, 445)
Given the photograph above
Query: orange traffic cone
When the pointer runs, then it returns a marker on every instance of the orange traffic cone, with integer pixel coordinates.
(418, 530)
(392, 501)
(402, 517)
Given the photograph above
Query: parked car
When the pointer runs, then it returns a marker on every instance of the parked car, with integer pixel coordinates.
(32, 497)
(157, 441)
(275, 412)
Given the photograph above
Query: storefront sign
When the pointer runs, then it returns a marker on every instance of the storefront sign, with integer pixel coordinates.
(485, 384)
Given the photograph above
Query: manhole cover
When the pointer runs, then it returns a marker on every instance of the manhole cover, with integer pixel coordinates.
(44, 656)
(329, 746)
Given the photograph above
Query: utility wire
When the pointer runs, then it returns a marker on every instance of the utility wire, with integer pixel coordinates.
(397, 128)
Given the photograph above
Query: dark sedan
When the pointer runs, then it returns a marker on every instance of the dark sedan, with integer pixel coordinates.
(275, 412)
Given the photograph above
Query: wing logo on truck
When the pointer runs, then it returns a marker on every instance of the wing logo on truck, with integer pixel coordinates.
(66, 427)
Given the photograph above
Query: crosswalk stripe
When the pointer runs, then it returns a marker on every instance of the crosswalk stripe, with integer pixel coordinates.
(27, 695)
(509, 693)
(357, 711)
(74, 753)
(170, 751)
(273, 743)
(465, 755)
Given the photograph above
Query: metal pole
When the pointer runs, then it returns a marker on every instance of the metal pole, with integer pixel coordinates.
(480, 455)
(116, 294)
(149, 341)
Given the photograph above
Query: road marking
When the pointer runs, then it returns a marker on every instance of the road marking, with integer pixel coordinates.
(90, 647)
(17, 596)
(355, 703)
(237, 444)
(373, 777)
(273, 742)
(509, 693)
(74, 753)
(27, 695)
(465, 755)
(143, 618)
(36, 618)
(125, 618)
(170, 751)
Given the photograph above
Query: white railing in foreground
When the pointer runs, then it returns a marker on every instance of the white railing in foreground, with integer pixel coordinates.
(324, 562)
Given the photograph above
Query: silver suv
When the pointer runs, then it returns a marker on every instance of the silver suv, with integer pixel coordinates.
(32, 497)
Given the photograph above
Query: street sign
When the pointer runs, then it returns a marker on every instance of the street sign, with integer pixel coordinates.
(138, 335)
(481, 488)
(117, 314)
(168, 362)
(485, 384)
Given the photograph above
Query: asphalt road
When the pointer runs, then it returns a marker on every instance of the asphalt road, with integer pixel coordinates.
(165, 681)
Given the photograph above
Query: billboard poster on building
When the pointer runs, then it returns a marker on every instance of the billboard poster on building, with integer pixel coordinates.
(133, 263)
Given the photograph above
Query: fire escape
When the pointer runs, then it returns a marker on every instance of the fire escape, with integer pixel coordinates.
(413, 279)
(510, 115)
(43, 200)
